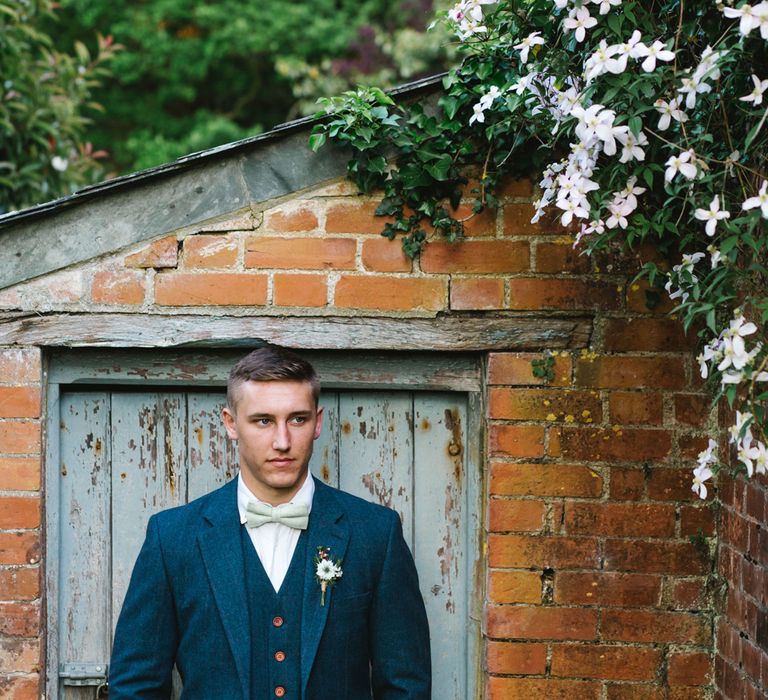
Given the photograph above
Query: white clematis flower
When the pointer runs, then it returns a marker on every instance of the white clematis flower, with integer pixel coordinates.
(579, 22)
(533, 39)
(756, 96)
(761, 200)
(680, 164)
(605, 5)
(748, 20)
(669, 111)
(712, 215)
(654, 52)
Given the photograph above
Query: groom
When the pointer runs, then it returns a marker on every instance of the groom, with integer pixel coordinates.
(274, 585)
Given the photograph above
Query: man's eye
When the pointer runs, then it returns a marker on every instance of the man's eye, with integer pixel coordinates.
(263, 421)
(300, 420)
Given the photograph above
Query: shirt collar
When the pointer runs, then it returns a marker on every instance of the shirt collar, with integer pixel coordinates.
(304, 495)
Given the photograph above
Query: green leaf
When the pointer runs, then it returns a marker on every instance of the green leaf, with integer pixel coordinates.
(635, 126)
(316, 141)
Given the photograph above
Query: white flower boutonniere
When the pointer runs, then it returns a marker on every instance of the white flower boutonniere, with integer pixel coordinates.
(327, 571)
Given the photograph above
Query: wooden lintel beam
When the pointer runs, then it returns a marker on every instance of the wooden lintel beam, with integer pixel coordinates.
(442, 334)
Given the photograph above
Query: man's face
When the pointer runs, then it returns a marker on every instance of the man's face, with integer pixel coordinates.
(275, 424)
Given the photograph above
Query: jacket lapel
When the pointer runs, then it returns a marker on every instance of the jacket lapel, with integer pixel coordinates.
(327, 528)
(223, 557)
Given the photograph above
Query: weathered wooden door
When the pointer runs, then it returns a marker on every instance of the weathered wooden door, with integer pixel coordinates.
(126, 453)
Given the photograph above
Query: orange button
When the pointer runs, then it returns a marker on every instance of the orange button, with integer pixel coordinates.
(279, 691)
(277, 621)
(280, 655)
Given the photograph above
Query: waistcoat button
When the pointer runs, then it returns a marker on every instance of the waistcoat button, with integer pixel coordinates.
(280, 655)
(279, 691)
(277, 621)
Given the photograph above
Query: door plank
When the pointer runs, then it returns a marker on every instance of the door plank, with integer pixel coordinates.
(376, 450)
(84, 542)
(324, 464)
(440, 533)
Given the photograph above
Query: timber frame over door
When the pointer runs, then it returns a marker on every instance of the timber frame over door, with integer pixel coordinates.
(418, 414)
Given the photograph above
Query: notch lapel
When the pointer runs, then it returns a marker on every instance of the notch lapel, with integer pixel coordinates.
(327, 528)
(222, 553)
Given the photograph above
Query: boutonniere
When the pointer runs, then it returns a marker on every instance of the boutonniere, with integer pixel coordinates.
(327, 571)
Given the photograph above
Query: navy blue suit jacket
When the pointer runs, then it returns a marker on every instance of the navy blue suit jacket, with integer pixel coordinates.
(186, 604)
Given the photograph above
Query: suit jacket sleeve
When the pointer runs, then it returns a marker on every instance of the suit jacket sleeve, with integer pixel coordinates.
(146, 636)
(399, 643)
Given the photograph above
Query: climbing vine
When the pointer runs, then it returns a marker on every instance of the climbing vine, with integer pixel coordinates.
(646, 122)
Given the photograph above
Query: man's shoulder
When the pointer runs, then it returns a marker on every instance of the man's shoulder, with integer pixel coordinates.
(360, 509)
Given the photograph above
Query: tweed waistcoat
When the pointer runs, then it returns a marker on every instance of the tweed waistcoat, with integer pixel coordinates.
(275, 623)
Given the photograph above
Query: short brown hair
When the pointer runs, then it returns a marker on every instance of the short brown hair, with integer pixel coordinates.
(268, 364)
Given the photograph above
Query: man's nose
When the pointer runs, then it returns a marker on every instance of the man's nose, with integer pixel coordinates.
(282, 438)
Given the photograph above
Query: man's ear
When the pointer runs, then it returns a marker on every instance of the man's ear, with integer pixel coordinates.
(230, 423)
(319, 423)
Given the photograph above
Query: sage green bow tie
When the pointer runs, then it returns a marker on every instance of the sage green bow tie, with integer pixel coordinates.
(295, 515)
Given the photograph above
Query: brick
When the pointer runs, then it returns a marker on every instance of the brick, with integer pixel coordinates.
(18, 437)
(756, 500)
(619, 519)
(643, 299)
(535, 293)
(602, 444)
(515, 369)
(539, 552)
(19, 584)
(690, 446)
(604, 589)
(514, 587)
(19, 512)
(647, 335)
(545, 480)
(654, 626)
(518, 658)
(607, 662)
(210, 251)
(19, 473)
(693, 409)
(500, 688)
(292, 219)
(126, 287)
(517, 221)
(18, 548)
(509, 187)
(19, 655)
(632, 407)
(19, 619)
(517, 440)
(19, 401)
(545, 405)
(301, 253)
(299, 290)
(476, 225)
(158, 254)
(383, 255)
(475, 256)
(626, 372)
(25, 687)
(670, 484)
(390, 293)
(635, 691)
(515, 515)
(523, 622)
(56, 288)
(696, 520)
(242, 221)
(481, 293)
(627, 484)
(680, 558)
(212, 288)
(689, 668)
(687, 593)
(20, 365)
(754, 581)
(355, 217)
(560, 257)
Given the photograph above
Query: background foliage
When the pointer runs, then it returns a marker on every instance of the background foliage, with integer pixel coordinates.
(195, 75)
(45, 104)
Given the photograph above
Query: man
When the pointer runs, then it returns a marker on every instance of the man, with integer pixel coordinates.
(252, 599)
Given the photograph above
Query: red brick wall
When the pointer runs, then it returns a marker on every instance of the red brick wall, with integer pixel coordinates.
(593, 588)
(21, 643)
(741, 662)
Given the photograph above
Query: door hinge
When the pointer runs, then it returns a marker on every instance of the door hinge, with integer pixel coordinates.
(83, 674)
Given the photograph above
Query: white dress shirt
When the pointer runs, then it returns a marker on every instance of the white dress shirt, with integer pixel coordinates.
(275, 543)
